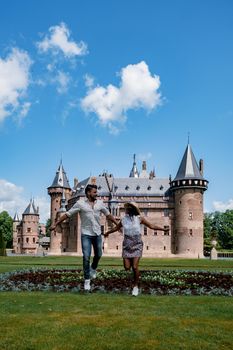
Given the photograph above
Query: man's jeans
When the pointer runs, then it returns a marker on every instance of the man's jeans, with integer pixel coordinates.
(87, 242)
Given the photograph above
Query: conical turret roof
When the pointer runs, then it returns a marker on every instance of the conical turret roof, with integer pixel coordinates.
(31, 209)
(60, 179)
(16, 217)
(188, 167)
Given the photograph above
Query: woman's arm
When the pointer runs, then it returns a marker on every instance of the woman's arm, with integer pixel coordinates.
(114, 229)
(152, 226)
(57, 222)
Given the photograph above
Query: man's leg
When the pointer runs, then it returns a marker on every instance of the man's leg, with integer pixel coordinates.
(97, 247)
(86, 249)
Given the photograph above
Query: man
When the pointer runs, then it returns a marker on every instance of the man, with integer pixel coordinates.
(89, 210)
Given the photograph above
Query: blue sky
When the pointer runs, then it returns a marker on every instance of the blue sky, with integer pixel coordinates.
(97, 81)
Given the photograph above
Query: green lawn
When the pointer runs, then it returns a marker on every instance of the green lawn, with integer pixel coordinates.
(41, 320)
(119, 322)
(11, 263)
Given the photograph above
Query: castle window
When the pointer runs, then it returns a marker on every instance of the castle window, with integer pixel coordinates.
(34, 240)
(161, 187)
(149, 188)
(164, 248)
(29, 229)
(18, 240)
(138, 187)
(145, 231)
(191, 232)
(190, 215)
(147, 247)
(27, 240)
(117, 247)
(166, 233)
(155, 233)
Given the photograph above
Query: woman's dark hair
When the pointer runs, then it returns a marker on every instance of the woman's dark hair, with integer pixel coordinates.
(132, 211)
(89, 188)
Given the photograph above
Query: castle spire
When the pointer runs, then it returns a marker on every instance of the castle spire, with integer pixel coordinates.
(63, 203)
(188, 167)
(60, 179)
(31, 209)
(134, 172)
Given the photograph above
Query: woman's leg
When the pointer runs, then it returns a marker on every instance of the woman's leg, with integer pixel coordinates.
(127, 263)
(136, 271)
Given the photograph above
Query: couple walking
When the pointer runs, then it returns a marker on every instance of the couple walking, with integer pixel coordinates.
(89, 210)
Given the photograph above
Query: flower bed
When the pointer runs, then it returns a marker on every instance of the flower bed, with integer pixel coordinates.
(161, 282)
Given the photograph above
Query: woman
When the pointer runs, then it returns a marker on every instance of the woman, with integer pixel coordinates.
(132, 244)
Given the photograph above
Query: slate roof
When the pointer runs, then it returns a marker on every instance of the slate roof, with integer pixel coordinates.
(128, 186)
(60, 179)
(188, 167)
(31, 209)
(16, 217)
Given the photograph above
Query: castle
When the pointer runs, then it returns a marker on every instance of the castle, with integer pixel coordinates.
(174, 204)
(28, 233)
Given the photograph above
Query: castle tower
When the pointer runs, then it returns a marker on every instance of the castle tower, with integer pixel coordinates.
(60, 184)
(16, 222)
(30, 229)
(188, 187)
(59, 192)
(134, 171)
(143, 173)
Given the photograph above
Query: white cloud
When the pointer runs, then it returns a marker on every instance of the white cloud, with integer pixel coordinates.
(221, 206)
(89, 81)
(14, 81)
(58, 40)
(25, 109)
(63, 80)
(12, 201)
(8, 190)
(138, 89)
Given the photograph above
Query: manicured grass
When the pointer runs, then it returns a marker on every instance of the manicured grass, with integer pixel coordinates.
(107, 321)
(114, 322)
(11, 263)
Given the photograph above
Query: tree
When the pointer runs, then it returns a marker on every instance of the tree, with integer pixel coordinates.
(220, 226)
(48, 224)
(226, 230)
(6, 228)
(2, 245)
(207, 233)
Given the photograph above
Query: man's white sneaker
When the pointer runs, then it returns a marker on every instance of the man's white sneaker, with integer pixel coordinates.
(92, 273)
(135, 291)
(87, 285)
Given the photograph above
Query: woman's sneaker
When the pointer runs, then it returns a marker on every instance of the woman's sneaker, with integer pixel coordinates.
(135, 291)
(87, 285)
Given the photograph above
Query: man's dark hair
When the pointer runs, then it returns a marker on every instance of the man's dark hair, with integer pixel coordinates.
(89, 188)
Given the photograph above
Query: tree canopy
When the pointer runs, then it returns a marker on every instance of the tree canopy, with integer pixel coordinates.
(6, 228)
(220, 226)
